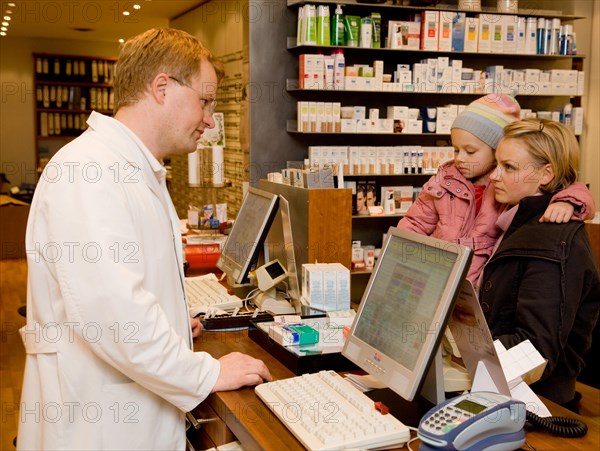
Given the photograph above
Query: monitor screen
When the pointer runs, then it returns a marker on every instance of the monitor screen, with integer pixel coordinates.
(405, 307)
(246, 239)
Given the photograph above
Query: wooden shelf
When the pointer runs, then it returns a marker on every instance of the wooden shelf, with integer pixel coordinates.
(75, 80)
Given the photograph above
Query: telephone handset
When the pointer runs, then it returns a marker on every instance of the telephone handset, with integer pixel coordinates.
(474, 421)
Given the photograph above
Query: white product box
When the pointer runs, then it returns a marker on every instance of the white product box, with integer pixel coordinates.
(484, 42)
(471, 34)
(443, 126)
(397, 157)
(521, 35)
(404, 35)
(312, 117)
(328, 118)
(445, 113)
(303, 118)
(577, 119)
(335, 113)
(558, 75)
(366, 83)
(397, 112)
(312, 285)
(363, 126)
(530, 35)
(456, 70)
(509, 43)
(414, 126)
(372, 159)
(544, 88)
(580, 82)
(347, 126)
(354, 160)
(360, 112)
(314, 156)
(403, 198)
(445, 32)
(497, 38)
(351, 83)
(329, 288)
(319, 72)
(320, 116)
(385, 125)
(532, 75)
(429, 30)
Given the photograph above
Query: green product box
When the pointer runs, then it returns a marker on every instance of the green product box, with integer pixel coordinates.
(306, 334)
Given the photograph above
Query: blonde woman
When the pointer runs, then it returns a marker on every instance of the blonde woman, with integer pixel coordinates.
(542, 282)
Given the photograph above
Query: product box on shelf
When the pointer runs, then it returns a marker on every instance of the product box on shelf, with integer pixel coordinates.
(429, 30)
(404, 35)
(458, 32)
(471, 34)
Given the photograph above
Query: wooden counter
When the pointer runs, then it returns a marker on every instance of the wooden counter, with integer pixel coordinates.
(248, 419)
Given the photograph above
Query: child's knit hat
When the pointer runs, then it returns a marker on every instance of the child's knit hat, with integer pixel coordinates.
(487, 116)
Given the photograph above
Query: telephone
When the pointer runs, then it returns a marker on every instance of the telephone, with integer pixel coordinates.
(474, 421)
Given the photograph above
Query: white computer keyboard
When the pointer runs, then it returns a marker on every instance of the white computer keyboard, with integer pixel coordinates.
(324, 411)
(205, 293)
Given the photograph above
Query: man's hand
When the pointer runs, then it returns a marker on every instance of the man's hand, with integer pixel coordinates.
(558, 212)
(196, 326)
(239, 370)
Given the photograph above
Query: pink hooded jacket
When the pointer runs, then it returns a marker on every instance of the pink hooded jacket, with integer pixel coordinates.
(445, 209)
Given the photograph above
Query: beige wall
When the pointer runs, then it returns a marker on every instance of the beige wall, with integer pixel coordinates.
(17, 118)
(223, 27)
(588, 43)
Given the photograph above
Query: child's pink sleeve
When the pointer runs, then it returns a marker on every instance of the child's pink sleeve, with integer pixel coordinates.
(422, 217)
(580, 197)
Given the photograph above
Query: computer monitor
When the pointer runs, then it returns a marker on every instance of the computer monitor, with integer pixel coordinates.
(247, 236)
(279, 245)
(405, 307)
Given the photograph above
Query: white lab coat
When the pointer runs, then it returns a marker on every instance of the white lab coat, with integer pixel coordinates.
(109, 361)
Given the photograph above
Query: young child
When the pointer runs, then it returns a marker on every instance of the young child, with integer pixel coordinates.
(457, 204)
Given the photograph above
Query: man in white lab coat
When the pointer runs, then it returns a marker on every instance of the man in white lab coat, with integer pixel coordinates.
(108, 339)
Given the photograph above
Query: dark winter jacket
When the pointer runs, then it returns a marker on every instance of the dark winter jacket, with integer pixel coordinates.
(542, 284)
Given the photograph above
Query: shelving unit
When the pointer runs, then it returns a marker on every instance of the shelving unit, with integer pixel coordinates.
(67, 89)
(370, 229)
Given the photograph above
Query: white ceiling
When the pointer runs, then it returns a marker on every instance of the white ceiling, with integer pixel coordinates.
(103, 20)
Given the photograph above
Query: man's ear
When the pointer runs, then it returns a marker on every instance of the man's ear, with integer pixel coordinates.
(158, 87)
(547, 174)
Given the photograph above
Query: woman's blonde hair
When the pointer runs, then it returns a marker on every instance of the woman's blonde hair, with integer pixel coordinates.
(548, 142)
(157, 50)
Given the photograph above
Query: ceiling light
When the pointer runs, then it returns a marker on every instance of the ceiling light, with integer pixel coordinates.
(121, 40)
(6, 17)
(3, 28)
(12, 4)
(2, 33)
(136, 6)
(125, 13)
(5, 24)
(9, 11)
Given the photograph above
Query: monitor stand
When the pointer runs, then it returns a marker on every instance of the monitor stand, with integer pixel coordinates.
(274, 302)
(411, 412)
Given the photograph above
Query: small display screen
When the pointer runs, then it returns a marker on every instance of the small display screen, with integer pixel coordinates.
(470, 406)
(275, 270)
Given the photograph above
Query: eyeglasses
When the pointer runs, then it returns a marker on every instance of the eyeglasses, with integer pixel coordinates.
(208, 106)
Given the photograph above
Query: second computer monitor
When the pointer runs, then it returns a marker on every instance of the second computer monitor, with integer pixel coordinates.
(245, 241)
(405, 307)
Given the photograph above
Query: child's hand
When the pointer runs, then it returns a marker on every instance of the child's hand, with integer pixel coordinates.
(558, 212)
